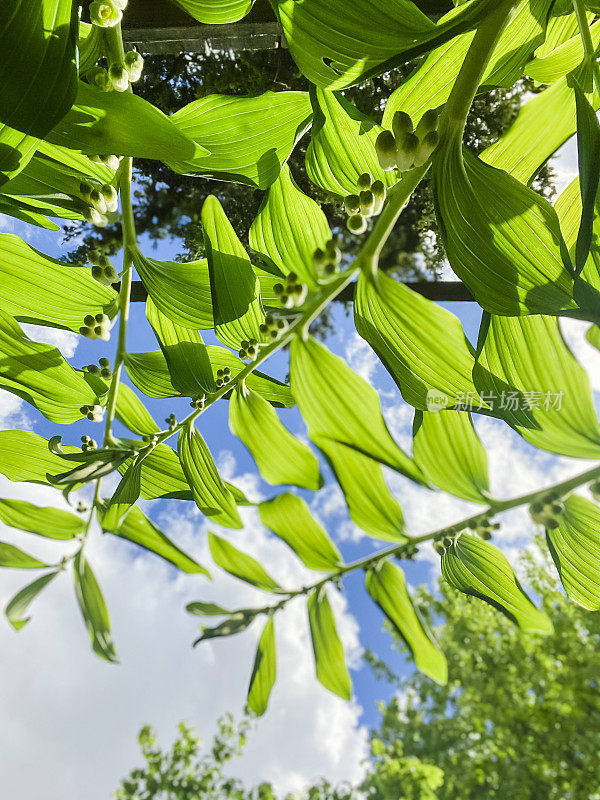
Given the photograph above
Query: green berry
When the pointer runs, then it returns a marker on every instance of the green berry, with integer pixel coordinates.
(385, 147)
(356, 224)
(407, 149)
(401, 124)
(367, 203)
(351, 204)
(364, 182)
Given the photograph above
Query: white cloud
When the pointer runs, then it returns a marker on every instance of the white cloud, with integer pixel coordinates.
(66, 341)
(574, 331)
(361, 357)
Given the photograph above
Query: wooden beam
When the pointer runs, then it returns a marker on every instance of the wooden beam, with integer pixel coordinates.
(204, 38)
(440, 291)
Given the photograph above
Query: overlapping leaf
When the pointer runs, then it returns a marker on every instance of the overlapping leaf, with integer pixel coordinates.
(37, 288)
(330, 663)
(289, 227)
(161, 475)
(240, 564)
(287, 515)
(40, 375)
(342, 145)
(37, 62)
(132, 413)
(249, 138)
(448, 451)
(412, 337)
(212, 497)
(565, 57)
(179, 290)
(235, 289)
(126, 495)
(24, 456)
(16, 608)
(93, 609)
(216, 12)
(575, 548)
(542, 392)
(279, 456)
(16, 150)
(479, 569)
(386, 585)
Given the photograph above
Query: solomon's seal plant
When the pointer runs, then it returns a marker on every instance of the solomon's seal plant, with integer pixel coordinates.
(526, 261)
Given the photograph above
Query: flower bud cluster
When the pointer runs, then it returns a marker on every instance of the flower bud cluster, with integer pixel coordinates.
(119, 75)
(327, 261)
(150, 438)
(81, 507)
(100, 201)
(367, 202)
(249, 349)
(87, 443)
(223, 377)
(112, 162)
(291, 294)
(484, 528)
(404, 148)
(441, 545)
(547, 511)
(103, 370)
(274, 327)
(93, 413)
(97, 327)
(171, 421)
(198, 402)
(107, 13)
(103, 270)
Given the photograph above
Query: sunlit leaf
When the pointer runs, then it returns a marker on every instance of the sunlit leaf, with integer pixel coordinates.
(125, 496)
(249, 138)
(132, 413)
(93, 608)
(240, 564)
(330, 663)
(279, 456)
(289, 227)
(287, 515)
(575, 548)
(449, 452)
(564, 58)
(386, 585)
(588, 149)
(212, 497)
(37, 288)
(413, 336)
(216, 12)
(24, 456)
(161, 475)
(479, 569)
(264, 670)
(11, 556)
(37, 63)
(45, 521)
(17, 607)
(40, 375)
(16, 150)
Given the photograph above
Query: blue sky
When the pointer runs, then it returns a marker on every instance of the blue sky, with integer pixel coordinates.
(75, 718)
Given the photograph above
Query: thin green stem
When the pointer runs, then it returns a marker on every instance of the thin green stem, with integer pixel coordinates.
(586, 38)
(454, 115)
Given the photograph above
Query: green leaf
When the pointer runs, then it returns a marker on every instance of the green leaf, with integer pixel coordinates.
(386, 585)
(569, 210)
(93, 608)
(264, 671)
(479, 569)
(370, 503)
(37, 288)
(543, 393)
(330, 663)
(289, 227)
(216, 12)
(45, 521)
(429, 85)
(211, 495)
(501, 238)
(150, 374)
(249, 138)
(179, 290)
(235, 289)
(342, 146)
(336, 43)
(564, 58)
(16, 150)
(289, 518)
(447, 449)
(240, 564)
(37, 63)
(575, 549)
(123, 124)
(11, 556)
(543, 124)
(40, 375)
(412, 337)
(279, 456)
(140, 530)
(588, 150)
(201, 609)
(339, 405)
(132, 413)
(126, 495)
(16, 209)
(593, 336)
(22, 600)
(186, 356)
(161, 475)
(24, 456)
